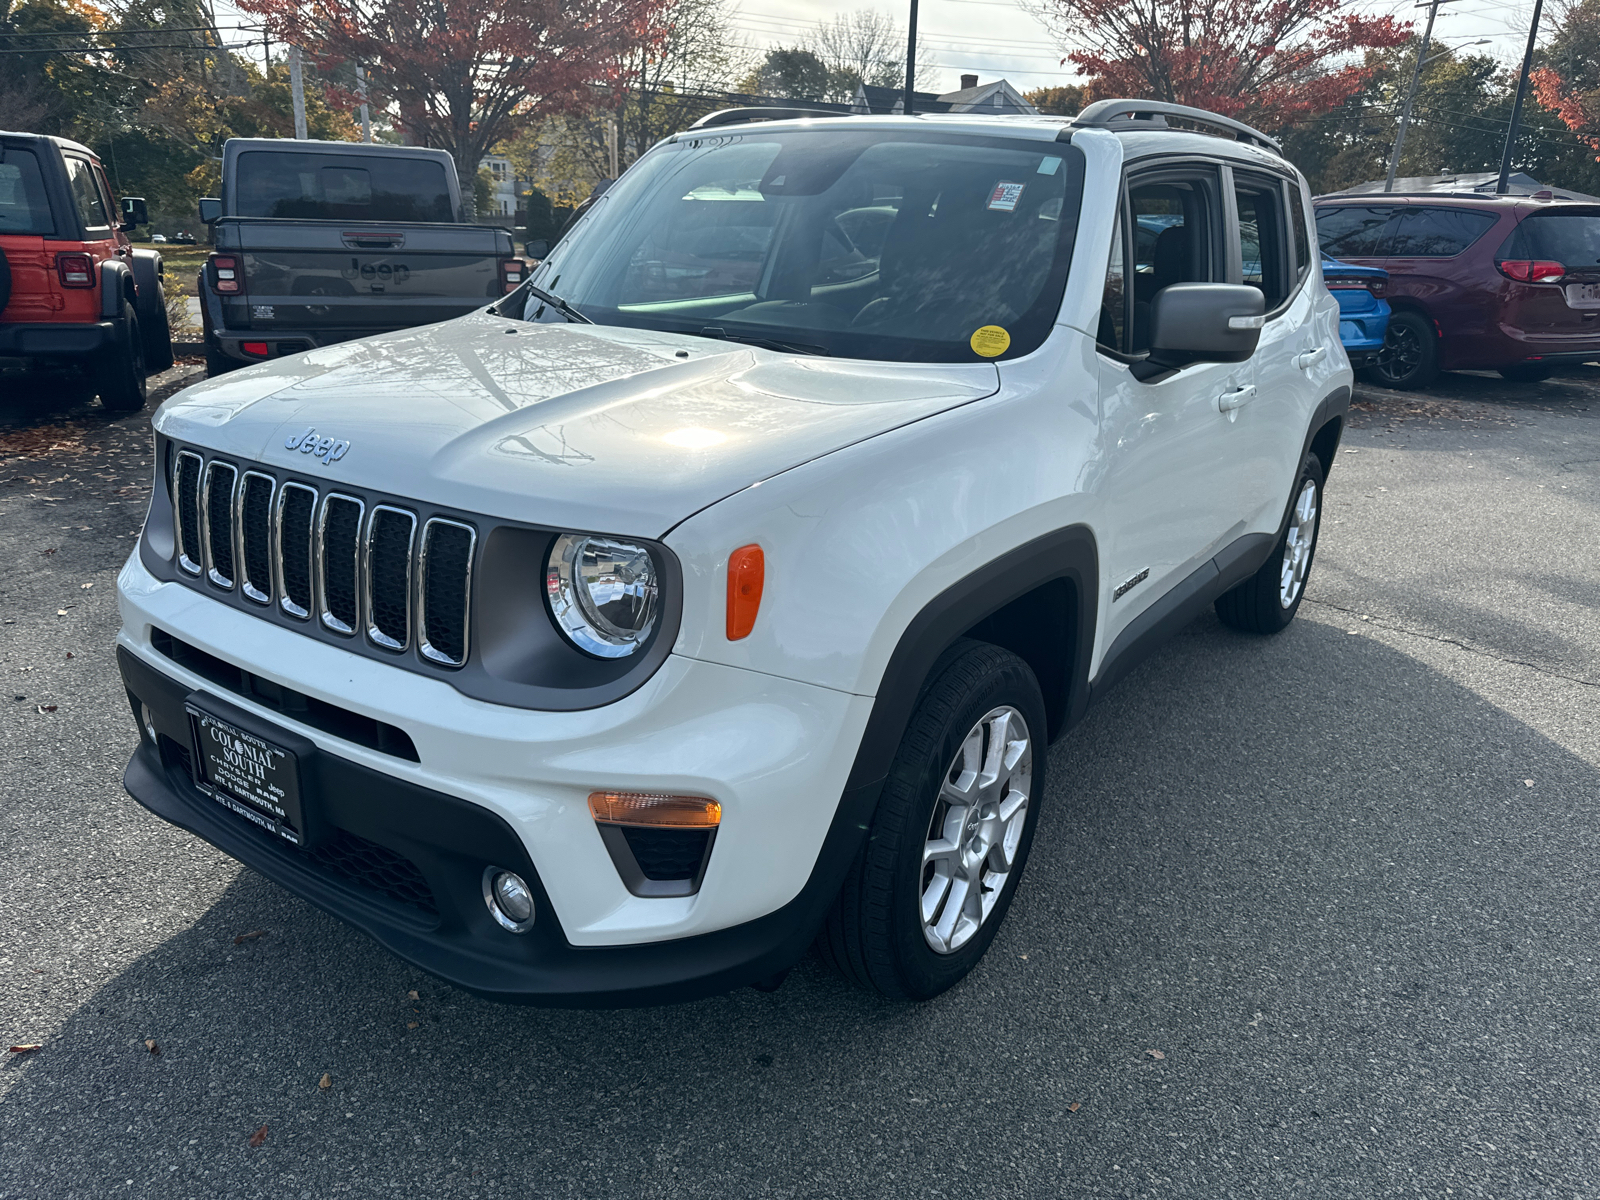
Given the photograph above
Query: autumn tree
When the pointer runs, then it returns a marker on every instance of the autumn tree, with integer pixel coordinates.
(1272, 63)
(1568, 78)
(465, 75)
(866, 46)
(1064, 100)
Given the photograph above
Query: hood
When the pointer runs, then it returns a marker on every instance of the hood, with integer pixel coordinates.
(585, 427)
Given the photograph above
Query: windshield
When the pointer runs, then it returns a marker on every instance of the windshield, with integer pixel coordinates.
(860, 244)
(339, 187)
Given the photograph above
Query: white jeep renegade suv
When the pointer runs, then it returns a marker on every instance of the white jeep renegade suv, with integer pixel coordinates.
(720, 589)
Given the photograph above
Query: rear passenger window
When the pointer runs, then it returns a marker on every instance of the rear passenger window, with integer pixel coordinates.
(1438, 232)
(1262, 262)
(24, 207)
(85, 195)
(1354, 230)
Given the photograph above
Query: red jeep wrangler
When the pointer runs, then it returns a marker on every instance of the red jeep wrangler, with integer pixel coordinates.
(76, 300)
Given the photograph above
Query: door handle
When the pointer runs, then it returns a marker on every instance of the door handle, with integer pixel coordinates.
(1305, 360)
(1237, 398)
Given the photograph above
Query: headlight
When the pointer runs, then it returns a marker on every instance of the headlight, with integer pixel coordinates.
(603, 593)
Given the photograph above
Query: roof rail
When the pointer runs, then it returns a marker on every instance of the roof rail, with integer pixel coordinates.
(1152, 114)
(742, 116)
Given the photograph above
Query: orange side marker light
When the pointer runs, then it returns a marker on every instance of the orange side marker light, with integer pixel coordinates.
(747, 570)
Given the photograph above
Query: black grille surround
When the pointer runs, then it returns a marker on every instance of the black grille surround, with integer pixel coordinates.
(451, 595)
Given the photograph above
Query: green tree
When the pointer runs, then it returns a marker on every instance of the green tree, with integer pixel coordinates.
(793, 73)
(542, 222)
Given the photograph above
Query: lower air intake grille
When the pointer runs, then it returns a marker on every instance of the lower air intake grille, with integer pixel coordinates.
(667, 853)
(339, 545)
(377, 867)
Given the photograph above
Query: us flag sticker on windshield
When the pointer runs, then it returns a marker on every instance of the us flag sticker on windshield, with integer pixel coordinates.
(990, 341)
(1005, 196)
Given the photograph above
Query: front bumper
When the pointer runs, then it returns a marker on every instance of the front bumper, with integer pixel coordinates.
(65, 340)
(508, 787)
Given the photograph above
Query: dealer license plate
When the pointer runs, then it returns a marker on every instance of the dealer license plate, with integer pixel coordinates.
(1583, 295)
(248, 774)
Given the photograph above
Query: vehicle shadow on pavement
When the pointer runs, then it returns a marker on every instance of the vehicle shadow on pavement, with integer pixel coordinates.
(1307, 872)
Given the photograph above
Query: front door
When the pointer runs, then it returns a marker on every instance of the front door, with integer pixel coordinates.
(1169, 490)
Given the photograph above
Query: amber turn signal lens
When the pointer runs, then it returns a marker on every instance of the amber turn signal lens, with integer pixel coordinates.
(655, 808)
(747, 570)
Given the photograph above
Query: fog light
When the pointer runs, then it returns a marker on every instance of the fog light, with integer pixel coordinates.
(510, 900)
(148, 720)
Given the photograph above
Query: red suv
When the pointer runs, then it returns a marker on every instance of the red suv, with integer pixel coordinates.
(1504, 283)
(76, 300)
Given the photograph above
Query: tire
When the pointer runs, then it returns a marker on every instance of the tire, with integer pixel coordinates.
(1410, 355)
(1526, 373)
(152, 310)
(218, 363)
(121, 375)
(1269, 599)
(875, 934)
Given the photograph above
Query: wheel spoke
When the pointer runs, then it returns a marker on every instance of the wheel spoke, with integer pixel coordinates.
(933, 893)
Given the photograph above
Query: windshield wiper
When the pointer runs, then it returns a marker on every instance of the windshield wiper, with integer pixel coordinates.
(560, 305)
(717, 331)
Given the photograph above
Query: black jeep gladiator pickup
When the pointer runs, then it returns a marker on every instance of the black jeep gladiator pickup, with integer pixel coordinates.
(321, 242)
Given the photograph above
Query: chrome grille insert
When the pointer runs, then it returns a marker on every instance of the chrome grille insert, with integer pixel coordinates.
(444, 591)
(216, 522)
(255, 536)
(339, 563)
(292, 544)
(186, 509)
(386, 571)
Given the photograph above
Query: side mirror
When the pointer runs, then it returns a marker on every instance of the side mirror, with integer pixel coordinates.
(134, 211)
(210, 210)
(538, 248)
(1205, 322)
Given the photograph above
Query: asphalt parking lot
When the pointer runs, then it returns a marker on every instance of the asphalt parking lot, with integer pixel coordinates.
(1312, 916)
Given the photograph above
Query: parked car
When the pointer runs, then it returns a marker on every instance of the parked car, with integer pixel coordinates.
(320, 242)
(1505, 283)
(723, 588)
(184, 239)
(1363, 312)
(158, 237)
(78, 303)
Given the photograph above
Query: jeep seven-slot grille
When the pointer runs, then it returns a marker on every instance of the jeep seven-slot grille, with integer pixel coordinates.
(369, 569)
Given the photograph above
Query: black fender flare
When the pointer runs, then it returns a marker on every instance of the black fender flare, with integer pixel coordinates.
(116, 287)
(1068, 555)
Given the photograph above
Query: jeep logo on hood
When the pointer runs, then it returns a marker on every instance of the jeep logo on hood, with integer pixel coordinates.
(329, 450)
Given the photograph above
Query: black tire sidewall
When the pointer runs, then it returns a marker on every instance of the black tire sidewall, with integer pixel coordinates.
(1270, 577)
(122, 374)
(1006, 680)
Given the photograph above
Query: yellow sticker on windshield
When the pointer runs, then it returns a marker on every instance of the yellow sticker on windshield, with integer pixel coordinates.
(990, 341)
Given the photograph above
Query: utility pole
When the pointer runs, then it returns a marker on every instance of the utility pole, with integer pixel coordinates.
(1516, 109)
(911, 61)
(1405, 113)
(297, 88)
(366, 117)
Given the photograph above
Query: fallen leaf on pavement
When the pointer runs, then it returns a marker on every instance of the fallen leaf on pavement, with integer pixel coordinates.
(1155, 1054)
(411, 1024)
(1074, 1106)
(69, 653)
(1527, 783)
(258, 1137)
(27, 1047)
(61, 612)
(45, 708)
(412, 996)
(150, 1045)
(86, 586)
(248, 937)
(325, 1082)
(52, 550)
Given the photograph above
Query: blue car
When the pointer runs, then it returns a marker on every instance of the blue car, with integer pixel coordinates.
(1363, 312)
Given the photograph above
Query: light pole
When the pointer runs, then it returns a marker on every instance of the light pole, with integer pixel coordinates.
(1503, 182)
(1411, 94)
(911, 60)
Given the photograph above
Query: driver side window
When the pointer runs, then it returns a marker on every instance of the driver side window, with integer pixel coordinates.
(1174, 218)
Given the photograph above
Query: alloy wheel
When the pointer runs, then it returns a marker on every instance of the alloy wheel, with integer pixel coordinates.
(975, 829)
(1401, 354)
(1297, 545)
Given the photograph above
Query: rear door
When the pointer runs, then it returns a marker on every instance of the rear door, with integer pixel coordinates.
(1424, 262)
(1293, 361)
(27, 223)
